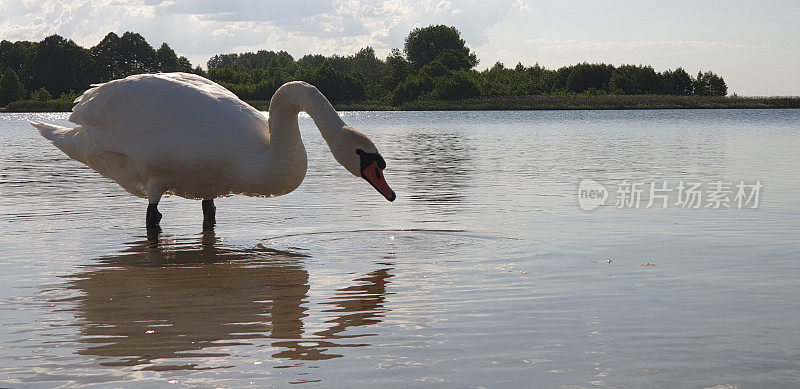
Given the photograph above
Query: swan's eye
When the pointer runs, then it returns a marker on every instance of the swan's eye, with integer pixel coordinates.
(378, 173)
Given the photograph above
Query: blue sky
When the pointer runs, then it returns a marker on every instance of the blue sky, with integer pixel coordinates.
(753, 45)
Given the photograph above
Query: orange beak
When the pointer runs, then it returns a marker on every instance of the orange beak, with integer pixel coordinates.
(374, 175)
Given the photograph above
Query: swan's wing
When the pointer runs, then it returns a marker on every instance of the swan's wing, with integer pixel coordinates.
(170, 117)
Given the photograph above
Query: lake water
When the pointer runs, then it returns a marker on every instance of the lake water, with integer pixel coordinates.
(484, 272)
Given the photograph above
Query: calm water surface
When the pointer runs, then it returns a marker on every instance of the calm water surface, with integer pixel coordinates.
(484, 272)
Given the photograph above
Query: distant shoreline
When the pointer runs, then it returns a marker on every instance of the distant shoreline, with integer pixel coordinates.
(572, 102)
(604, 102)
(524, 103)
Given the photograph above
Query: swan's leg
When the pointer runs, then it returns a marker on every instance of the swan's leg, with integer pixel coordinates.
(154, 192)
(153, 217)
(209, 214)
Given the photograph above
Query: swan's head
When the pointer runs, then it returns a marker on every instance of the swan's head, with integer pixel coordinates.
(359, 156)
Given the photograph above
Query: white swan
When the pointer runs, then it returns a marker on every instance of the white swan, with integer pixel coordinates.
(181, 134)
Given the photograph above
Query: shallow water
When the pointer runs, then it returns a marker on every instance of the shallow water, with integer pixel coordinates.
(484, 272)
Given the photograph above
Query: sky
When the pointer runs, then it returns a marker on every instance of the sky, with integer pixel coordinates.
(753, 45)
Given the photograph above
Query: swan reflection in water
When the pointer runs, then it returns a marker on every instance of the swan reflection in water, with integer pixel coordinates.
(169, 297)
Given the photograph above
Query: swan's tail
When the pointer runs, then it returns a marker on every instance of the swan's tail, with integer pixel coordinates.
(77, 145)
(50, 131)
(72, 141)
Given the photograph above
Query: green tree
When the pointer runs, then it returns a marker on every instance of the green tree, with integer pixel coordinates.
(542, 81)
(499, 81)
(397, 70)
(455, 59)
(11, 88)
(137, 55)
(411, 89)
(365, 62)
(649, 80)
(312, 61)
(335, 85)
(166, 60)
(184, 65)
(625, 80)
(434, 70)
(108, 58)
(709, 84)
(60, 65)
(676, 82)
(635, 80)
(17, 56)
(423, 45)
(41, 95)
(365, 66)
(249, 60)
(455, 87)
(199, 71)
(560, 79)
(227, 75)
(221, 60)
(585, 76)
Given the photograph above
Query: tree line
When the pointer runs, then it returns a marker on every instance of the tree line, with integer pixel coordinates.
(58, 67)
(435, 64)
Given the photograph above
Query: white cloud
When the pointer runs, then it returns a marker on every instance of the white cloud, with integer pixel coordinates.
(220, 32)
(446, 7)
(522, 7)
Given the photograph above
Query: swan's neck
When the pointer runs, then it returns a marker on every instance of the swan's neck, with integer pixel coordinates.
(287, 161)
(289, 100)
